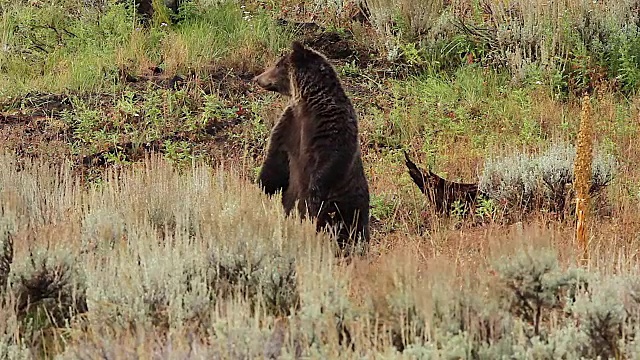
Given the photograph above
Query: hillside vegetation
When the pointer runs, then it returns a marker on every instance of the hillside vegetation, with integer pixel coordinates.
(131, 225)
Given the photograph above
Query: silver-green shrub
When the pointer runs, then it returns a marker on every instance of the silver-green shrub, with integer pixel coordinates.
(522, 182)
(48, 287)
(534, 286)
(511, 180)
(602, 316)
(263, 276)
(201, 265)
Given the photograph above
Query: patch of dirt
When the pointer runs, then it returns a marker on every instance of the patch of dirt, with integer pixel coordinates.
(334, 45)
(37, 131)
(214, 133)
(30, 136)
(41, 104)
(231, 84)
(154, 75)
(228, 83)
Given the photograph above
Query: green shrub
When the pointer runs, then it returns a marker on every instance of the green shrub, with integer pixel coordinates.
(524, 181)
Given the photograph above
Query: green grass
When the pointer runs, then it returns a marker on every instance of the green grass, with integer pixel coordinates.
(66, 46)
(478, 108)
(53, 48)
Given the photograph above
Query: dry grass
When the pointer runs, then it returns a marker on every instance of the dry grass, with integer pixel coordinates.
(420, 16)
(145, 241)
(139, 257)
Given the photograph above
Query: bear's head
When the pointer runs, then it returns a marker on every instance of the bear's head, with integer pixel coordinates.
(300, 59)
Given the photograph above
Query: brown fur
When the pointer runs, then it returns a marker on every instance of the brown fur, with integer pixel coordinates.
(441, 192)
(313, 154)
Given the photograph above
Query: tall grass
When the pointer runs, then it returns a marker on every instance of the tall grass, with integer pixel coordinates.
(157, 263)
(153, 251)
(69, 45)
(569, 45)
(59, 45)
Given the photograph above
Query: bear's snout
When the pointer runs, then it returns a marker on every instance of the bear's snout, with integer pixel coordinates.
(265, 83)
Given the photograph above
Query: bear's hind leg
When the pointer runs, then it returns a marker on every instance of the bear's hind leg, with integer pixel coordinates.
(347, 224)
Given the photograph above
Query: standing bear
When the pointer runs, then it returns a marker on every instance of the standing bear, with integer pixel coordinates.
(313, 155)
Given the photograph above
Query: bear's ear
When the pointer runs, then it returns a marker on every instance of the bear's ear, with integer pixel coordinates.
(300, 53)
(297, 47)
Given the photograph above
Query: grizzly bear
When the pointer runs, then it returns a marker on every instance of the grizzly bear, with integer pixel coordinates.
(313, 155)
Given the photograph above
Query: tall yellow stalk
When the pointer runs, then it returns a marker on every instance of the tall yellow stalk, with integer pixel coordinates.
(582, 175)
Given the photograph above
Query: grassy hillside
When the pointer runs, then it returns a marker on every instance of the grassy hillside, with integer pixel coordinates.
(130, 225)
